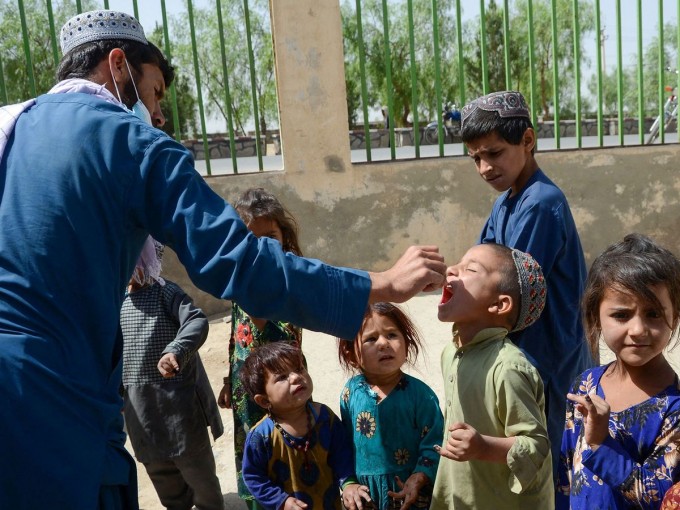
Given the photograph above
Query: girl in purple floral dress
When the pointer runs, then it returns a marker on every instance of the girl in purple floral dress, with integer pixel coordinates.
(621, 443)
(265, 217)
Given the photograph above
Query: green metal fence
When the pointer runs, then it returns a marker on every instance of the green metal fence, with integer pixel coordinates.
(204, 41)
(551, 50)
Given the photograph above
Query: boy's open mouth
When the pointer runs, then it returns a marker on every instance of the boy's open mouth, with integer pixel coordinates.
(447, 294)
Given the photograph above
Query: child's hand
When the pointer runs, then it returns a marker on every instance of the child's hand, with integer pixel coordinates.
(353, 496)
(224, 398)
(409, 490)
(168, 365)
(464, 443)
(294, 504)
(595, 411)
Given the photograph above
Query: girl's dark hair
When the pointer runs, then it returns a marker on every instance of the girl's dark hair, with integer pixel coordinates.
(633, 266)
(81, 61)
(347, 349)
(271, 358)
(259, 203)
(481, 123)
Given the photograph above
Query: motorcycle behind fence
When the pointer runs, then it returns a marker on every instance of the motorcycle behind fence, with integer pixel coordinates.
(450, 127)
(670, 112)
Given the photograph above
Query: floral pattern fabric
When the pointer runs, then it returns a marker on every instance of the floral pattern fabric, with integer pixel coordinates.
(393, 436)
(634, 467)
(246, 413)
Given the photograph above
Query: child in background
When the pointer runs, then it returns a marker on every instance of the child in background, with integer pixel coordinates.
(168, 401)
(264, 216)
(621, 444)
(533, 216)
(496, 451)
(394, 418)
(298, 456)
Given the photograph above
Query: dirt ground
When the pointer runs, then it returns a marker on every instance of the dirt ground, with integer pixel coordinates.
(321, 353)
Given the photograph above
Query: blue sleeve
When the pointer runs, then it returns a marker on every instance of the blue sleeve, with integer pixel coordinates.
(346, 416)
(430, 421)
(564, 463)
(539, 231)
(340, 457)
(647, 480)
(256, 456)
(488, 234)
(178, 208)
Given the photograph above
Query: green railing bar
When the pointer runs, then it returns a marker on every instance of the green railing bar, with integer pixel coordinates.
(135, 9)
(227, 95)
(106, 4)
(461, 63)
(437, 76)
(27, 49)
(253, 85)
(192, 31)
(3, 89)
(53, 34)
(640, 76)
(600, 72)
(619, 72)
(662, 78)
(79, 6)
(482, 43)
(506, 44)
(168, 55)
(677, 67)
(364, 88)
(532, 59)
(556, 93)
(414, 80)
(577, 63)
(388, 78)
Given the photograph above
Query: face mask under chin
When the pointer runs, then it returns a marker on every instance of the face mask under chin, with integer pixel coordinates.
(138, 109)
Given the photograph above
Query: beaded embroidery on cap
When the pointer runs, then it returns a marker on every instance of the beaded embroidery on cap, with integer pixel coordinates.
(532, 289)
(507, 103)
(100, 25)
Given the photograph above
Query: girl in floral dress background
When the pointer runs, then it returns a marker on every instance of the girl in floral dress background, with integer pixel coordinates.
(264, 216)
(621, 443)
(393, 418)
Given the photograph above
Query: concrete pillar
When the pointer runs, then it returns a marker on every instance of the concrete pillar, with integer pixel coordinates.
(310, 76)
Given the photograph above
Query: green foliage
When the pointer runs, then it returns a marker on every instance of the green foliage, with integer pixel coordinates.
(237, 64)
(14, 61)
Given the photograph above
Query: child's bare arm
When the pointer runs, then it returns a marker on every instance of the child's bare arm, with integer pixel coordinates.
(465, 443)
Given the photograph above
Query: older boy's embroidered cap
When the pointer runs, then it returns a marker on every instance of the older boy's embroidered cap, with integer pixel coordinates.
(99, 25)
(532, 289)
(507, 103)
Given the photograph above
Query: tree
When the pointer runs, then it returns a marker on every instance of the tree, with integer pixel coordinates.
(376, 70)
(14, 62)
(237, 63)
(186, 96)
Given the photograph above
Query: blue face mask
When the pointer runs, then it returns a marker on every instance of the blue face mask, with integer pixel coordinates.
(139, 109)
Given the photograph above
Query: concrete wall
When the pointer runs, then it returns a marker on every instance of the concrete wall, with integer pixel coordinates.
(366, 215)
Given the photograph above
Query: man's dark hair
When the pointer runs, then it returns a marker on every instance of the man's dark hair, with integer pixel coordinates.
(81, 61)
(481, 123)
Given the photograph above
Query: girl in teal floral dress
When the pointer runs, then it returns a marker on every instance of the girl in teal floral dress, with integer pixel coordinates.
(265, 217)
(394, 419)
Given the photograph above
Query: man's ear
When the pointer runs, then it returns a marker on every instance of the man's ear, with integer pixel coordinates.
(529, 139)
(117, 64)
(503, 306)
(262, 401)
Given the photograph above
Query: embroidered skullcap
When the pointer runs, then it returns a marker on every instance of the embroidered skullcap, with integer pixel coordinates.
(507, 103)
(99, 25)
(532, 289)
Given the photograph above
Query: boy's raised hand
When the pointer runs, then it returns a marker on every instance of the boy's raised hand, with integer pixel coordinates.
(354, 495)
(595, 411)
(294, 504)
(408, 493)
